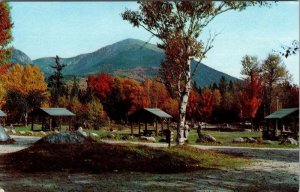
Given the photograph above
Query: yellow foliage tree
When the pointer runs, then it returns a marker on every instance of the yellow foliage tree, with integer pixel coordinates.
(25, 79)
(24, 89)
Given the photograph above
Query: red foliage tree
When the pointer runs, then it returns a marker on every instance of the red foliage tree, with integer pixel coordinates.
(209, 100)
(100, 85)
(193, 110)
(4, 69)
(248, 97)
(5, 33)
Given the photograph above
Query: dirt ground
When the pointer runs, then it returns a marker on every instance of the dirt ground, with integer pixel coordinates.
(274, 170)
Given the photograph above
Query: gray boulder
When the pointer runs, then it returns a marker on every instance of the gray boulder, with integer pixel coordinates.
(63, 138)
(269, 142)
(150, 139)
(204, 138)
(94, 134)
(238, 140)
(43, 133)
(249, 140)
(289, 141)
(22, 132)
(3, 135)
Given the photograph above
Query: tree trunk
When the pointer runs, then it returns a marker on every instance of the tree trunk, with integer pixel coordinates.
(183, 104)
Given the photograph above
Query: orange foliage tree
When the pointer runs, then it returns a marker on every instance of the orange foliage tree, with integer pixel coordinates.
(133, 94)
(157, 93)
(209, 99)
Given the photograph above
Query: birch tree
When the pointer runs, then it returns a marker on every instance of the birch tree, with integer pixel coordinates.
(179, 25)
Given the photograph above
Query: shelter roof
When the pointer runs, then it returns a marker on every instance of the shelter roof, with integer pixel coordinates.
(53, 112)
(158, 112)
(281, 113)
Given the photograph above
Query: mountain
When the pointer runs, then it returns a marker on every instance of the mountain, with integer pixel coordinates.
(128, 58)
(20, 57)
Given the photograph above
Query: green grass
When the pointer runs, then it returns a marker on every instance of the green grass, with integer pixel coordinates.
(124, 130)
(226, 139)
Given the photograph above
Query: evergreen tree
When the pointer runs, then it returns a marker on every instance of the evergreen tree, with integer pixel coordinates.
(56, 84)
(75, 88)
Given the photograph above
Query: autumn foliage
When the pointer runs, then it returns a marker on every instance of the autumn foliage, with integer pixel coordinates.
(5, 33)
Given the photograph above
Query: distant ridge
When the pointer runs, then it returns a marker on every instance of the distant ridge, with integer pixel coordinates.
(131, 58)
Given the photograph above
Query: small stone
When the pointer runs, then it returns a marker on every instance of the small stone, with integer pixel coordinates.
(94, 134)
(238, 140)
(251, 140)
(269, 142)
(84, 133)
(289, 141)
(22, 132)
(110, 136)
(43, 133)
(13, 131)
(80, 129)
(151, 139)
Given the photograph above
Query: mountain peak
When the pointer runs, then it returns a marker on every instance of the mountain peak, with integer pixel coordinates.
(130, 57)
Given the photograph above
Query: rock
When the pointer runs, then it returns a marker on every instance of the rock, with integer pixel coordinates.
(251, 140)
(203, 138)
(63, 138)
(6, 129)
(56, 131)
(80, 129)
(127, 137)
(111, 136)
(43, 133)
(289, 141)
(22, 132)
(151, 139)
(268, 142)
(94, 134)
(84, 133)
(13, 131)
(31, 133)
(238, 140)
(3, 135)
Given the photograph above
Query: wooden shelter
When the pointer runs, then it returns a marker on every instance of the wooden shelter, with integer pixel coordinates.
(2, 117)
(149, 116)
(284, 123)
(51, 117)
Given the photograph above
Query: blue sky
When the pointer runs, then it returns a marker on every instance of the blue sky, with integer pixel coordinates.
(67, 29)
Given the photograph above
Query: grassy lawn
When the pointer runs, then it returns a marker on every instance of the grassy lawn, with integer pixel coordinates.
(124, 130)
(97, 157)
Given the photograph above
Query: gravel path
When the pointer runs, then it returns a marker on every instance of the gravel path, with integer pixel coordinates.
(275, 170)
(21, 142)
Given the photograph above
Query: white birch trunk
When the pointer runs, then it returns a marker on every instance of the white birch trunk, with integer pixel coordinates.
(183, 104)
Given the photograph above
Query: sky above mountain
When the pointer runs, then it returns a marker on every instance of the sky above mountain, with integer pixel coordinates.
(43, 29)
